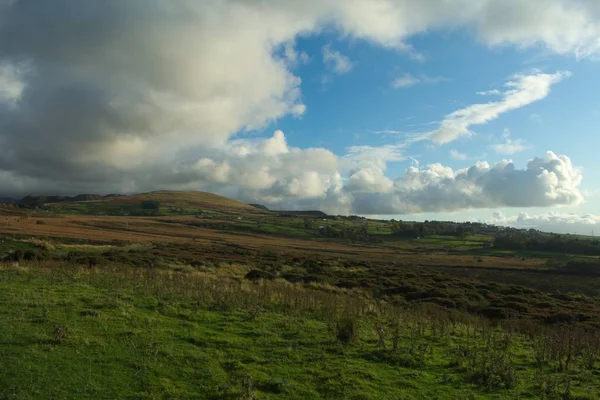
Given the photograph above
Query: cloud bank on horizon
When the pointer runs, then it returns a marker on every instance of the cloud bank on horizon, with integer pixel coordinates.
(126, 96)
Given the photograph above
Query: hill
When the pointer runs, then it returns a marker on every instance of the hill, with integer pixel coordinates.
(153, 203)
(185, 199)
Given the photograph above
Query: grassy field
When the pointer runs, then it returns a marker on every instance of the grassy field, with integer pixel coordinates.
(80, 333)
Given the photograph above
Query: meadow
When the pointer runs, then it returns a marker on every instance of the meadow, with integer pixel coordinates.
(73, 332)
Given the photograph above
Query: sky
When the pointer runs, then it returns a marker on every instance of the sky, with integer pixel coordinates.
(467, 110)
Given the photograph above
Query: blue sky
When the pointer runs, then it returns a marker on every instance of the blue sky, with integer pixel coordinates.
(362, 107)
(349, 109)
(462, 110)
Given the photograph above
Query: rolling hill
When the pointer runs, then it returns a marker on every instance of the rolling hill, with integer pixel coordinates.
(156, 203)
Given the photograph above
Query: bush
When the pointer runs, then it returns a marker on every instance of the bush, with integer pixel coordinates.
(493, 373)
(400, 290)
(27, 255)
(519, 307)
(489, 361)
(31, 255)
(497, 312)
(347, 329)
(150, 205)
(18, 255)
(257, 274)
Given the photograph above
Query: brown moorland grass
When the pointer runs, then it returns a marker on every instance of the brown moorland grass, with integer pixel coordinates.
(176, 242)
(164, 230)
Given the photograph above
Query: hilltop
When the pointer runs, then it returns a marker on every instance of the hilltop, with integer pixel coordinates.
(185, 199)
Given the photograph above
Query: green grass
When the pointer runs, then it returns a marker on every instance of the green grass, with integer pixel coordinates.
(68, 333)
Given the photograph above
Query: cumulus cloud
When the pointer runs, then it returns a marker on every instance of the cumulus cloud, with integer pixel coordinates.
(547, 181)
(336, 61)
(562, 26)
(369, 180)
(408, 80)
(551, 222)
(509, 146)
(521, 91)
(122, 96)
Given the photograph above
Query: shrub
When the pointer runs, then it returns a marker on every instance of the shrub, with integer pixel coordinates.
(519, 307)
(561, 318)
(30, 255)
(347, 329)
(18, 255)
(441, 301)
(150, 205)
(489, 361)
(496, 312)
(60, 333)
(257, 274)
(400, 290)
(494, 372)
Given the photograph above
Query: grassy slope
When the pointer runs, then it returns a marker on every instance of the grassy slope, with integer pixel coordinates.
(120, 346)
(135, 337)
(187, 199)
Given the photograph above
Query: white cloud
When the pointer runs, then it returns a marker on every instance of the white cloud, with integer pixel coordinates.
(378, 156)
(11, 83)
(562, 26)
(293, 56)
(548, 181)
(510, 146)
(521, 91)
(336, 61)
(493, 92)
(457, 155)
(408, 80)
(550, 222)
(405, 81)
(369, 180)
